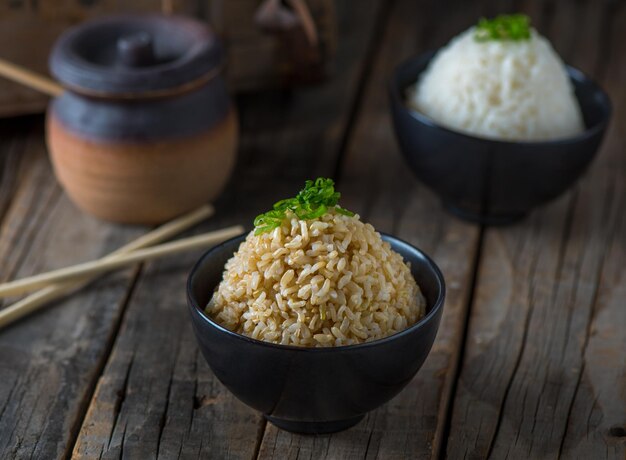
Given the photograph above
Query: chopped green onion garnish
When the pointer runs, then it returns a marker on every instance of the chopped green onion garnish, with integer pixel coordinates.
(313, 201)
(514, 27)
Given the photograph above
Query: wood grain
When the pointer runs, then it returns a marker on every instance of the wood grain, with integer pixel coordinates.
(156, 396)
(105, 264)
(376, 183)
(14, 135)
(527, 356)
(44, 297)
(596, 423)
(49, 363)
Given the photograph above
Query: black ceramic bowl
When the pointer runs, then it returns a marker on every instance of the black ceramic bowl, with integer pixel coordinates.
(313, 390)
(491, 181)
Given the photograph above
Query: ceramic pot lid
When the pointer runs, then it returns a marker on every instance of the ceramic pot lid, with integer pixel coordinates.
(136, 56)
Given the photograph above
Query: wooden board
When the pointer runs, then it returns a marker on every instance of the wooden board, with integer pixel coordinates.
(156, 395)
(49, 364)
(541, 348)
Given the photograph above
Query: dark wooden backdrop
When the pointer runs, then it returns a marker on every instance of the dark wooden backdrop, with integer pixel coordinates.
(256, 59)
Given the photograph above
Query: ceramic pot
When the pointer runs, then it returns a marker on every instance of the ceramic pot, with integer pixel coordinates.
(146, 130)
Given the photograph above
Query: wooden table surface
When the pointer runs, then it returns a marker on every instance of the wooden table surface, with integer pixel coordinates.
(530, 358)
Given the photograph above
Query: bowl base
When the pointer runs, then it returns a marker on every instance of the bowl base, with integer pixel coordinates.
(314, 427)
(484, 219)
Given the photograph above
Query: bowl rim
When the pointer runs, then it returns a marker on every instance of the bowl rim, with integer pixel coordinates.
(427, 318)
(573, 73)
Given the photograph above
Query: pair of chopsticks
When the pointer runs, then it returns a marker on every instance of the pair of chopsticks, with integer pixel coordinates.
(57, 283)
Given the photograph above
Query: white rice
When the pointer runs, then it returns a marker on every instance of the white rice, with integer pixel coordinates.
(513, 90)
(323, 282)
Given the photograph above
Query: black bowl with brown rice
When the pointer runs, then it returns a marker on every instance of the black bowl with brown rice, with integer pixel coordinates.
(314, 389)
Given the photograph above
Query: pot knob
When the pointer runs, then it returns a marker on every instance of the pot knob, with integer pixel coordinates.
(135, 50)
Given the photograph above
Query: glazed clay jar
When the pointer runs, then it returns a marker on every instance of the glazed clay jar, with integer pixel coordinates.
(145, 129)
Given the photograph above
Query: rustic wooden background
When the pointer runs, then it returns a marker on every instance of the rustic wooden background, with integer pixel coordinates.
(255, 59)
(530, 359)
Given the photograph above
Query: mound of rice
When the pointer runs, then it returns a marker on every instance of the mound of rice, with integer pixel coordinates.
(514, 90)
(323, 282)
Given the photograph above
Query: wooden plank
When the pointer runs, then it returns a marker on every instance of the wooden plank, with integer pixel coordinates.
(157, 396)
(376, 183)
(531, 386)
(13, 134)
(596, 422)
(49, 362)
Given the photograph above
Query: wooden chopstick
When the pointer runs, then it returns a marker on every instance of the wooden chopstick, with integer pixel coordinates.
(30, 79)
(104, 265)
(38, 299)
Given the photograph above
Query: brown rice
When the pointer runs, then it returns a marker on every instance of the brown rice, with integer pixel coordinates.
(323, 282)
